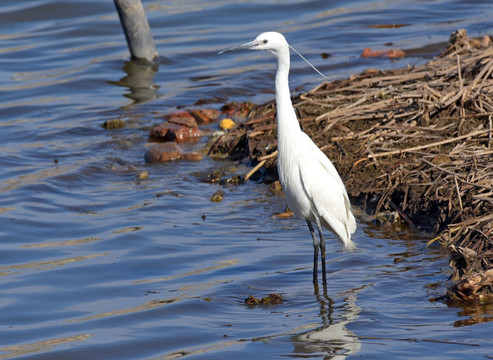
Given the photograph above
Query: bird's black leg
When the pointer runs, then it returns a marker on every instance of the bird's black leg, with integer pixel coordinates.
(315, 251)
(322, 252)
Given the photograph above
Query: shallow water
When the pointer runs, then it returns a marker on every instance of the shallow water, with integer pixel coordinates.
(95, 263)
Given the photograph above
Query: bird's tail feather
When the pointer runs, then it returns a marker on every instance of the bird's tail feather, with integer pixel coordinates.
(342, 230)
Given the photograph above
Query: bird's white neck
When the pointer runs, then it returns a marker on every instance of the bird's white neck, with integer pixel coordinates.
(287, 123)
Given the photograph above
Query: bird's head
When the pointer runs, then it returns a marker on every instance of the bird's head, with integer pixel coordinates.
(273, 42)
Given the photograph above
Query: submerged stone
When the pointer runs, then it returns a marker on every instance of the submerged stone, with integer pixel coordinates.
(170, 151)
(218, 196)
(113, 124)
(164, 152)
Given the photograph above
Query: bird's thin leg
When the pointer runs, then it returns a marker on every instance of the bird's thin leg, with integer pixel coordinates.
(315, 251)
(322, 252)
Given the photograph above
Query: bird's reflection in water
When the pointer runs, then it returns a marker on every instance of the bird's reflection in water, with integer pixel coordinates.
(332, 339)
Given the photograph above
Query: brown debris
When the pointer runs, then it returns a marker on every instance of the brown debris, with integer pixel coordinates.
(237, 109)
(414, 141)
(271, 299)
(475, 287)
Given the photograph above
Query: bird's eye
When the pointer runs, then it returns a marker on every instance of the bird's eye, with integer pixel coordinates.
(265, 41)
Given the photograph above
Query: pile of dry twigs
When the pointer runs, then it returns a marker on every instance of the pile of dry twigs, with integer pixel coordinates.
(416, 142)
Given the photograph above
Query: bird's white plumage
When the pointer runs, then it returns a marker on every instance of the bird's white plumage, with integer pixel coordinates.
(312, 185)
(314, 189)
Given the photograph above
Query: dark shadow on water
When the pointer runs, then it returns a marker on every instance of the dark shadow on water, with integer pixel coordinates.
(139, 80)
(472, 313)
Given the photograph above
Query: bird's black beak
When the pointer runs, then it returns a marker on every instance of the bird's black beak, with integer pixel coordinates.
(247, 46)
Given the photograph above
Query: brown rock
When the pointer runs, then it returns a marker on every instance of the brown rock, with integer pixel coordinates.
(160, 133)
(187, 121)
(174, 132)
(193, 156)
(164, 152)
(205, 116)
(187, 133)
(182, 114)
(218, 196)
(395, 54)
(169, 151)
(114, 124)
(181, 126)
(391, 54)
(143, 175)
(211, 113)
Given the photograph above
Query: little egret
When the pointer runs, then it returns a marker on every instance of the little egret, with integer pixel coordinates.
(313, 188)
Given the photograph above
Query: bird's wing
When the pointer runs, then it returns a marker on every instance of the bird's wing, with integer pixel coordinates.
(324, 187)
(324, 160)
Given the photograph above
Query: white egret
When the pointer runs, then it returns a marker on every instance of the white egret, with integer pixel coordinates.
(313, 188)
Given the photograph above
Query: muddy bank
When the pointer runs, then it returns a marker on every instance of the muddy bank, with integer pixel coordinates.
(414, 142)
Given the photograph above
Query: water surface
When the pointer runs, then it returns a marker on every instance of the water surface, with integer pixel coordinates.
(95, 263)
